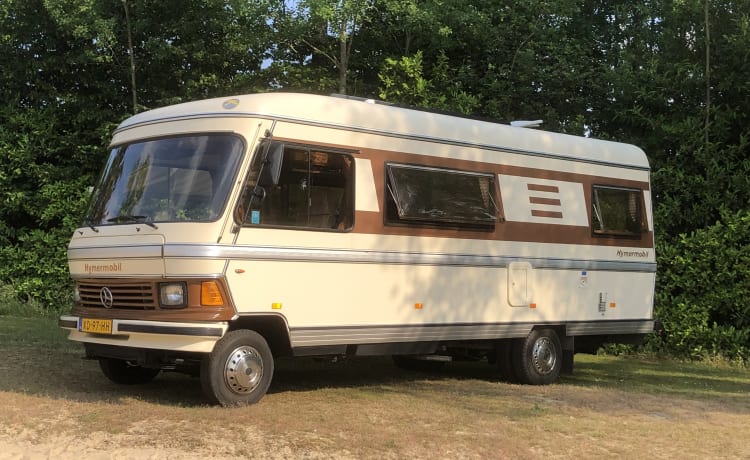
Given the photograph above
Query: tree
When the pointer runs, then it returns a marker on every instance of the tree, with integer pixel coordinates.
(64, 85)
(322, 28)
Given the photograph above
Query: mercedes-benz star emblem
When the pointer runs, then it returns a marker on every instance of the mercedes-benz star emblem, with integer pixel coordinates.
(106, 297)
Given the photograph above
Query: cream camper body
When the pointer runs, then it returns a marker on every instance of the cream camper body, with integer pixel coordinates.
(229, 232)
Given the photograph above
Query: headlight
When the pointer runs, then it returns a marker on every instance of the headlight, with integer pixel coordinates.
(173, 294)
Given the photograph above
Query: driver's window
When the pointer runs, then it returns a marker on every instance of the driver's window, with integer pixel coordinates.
(299, 186)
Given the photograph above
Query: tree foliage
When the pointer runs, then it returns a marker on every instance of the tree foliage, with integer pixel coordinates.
(667, 75)
(703, 287)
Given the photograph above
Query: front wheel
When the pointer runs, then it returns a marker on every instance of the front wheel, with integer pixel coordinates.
(239, 369)
(537, 359)
(124, 373)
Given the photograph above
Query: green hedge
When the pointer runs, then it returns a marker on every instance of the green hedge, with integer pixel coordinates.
(703, 290)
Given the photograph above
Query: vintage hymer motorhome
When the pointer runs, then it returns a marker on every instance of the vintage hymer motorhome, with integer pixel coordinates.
(226, 233)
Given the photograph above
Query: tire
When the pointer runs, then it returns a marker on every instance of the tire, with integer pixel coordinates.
(239, 369)
(123, 373)
(504, 360)
(537, 359)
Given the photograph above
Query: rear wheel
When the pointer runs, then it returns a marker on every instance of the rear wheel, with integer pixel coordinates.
(122, 372)
(537, 359)
(239, 369)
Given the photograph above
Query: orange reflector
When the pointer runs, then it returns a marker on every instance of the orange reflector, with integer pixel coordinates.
(612, 305)
(532, 305)
(418, 306)
(276, 305)
(211, 294)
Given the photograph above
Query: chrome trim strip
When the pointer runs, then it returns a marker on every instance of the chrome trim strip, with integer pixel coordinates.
(611, 327)
(359, 129)
(383, 334)
(138, 251)
(171, 330)
(393, 257)
(321, 336)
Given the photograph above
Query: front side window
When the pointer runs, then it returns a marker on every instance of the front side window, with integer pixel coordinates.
(299, 186)
(436, 196)
(185, 178)
(616, 211)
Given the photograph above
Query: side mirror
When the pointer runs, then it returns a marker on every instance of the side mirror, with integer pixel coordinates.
(270, 170)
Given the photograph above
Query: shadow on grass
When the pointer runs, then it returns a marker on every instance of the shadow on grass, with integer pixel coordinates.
(39, 360)
(65, 374)
(643, 375)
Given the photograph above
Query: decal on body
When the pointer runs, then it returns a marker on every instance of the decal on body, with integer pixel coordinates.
(543, 201)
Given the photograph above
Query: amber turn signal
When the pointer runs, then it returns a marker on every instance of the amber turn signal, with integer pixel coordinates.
(211, 294)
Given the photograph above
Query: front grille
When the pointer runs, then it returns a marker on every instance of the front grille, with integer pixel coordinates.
(132, 296)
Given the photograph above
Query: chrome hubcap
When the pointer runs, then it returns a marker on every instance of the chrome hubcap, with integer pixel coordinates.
(544, 356)
(243, 369)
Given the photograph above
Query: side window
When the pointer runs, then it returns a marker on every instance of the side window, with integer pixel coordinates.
(437, 196)
(299, 186)
(616, 211)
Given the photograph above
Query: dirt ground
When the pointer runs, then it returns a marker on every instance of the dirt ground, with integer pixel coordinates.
(102, 446)
(328, 413)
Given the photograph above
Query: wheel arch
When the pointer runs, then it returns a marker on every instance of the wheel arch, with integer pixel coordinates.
(273, 328)
(567, 341)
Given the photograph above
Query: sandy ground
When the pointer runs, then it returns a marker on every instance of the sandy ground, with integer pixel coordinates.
(125, 446)
(69, 448)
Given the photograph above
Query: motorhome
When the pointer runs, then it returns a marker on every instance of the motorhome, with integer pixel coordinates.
(226, 233)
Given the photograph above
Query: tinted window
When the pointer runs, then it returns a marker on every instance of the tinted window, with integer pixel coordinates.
(616, 211)
(185, 178)
(299, 186)
(439, 196)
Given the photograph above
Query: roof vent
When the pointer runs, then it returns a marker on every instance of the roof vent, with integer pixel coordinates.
(526, 123)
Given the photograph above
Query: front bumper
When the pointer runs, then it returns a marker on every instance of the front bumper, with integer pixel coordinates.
(158, 335)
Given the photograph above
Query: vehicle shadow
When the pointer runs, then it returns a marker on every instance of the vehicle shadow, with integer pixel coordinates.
(65, 374)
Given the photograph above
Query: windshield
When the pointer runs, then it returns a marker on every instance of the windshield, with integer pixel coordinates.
(184, 178)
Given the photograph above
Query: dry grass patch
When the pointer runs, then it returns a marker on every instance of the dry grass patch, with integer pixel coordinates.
(367, 408)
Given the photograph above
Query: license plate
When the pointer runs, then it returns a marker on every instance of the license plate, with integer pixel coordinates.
(95, 326)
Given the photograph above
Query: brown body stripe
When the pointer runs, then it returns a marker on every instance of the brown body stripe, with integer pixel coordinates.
(540, 200)
(374, 222)
(543, 188)
(552, 214)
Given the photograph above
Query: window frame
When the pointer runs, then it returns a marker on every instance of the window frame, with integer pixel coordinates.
(638, 225)
(348, 196)
(391, 212)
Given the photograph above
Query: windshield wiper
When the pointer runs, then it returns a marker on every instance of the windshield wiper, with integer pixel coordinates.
(91, 226)
(138, 219)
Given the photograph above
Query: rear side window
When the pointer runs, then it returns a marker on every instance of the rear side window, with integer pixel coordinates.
(437, 196)
(616, 211)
